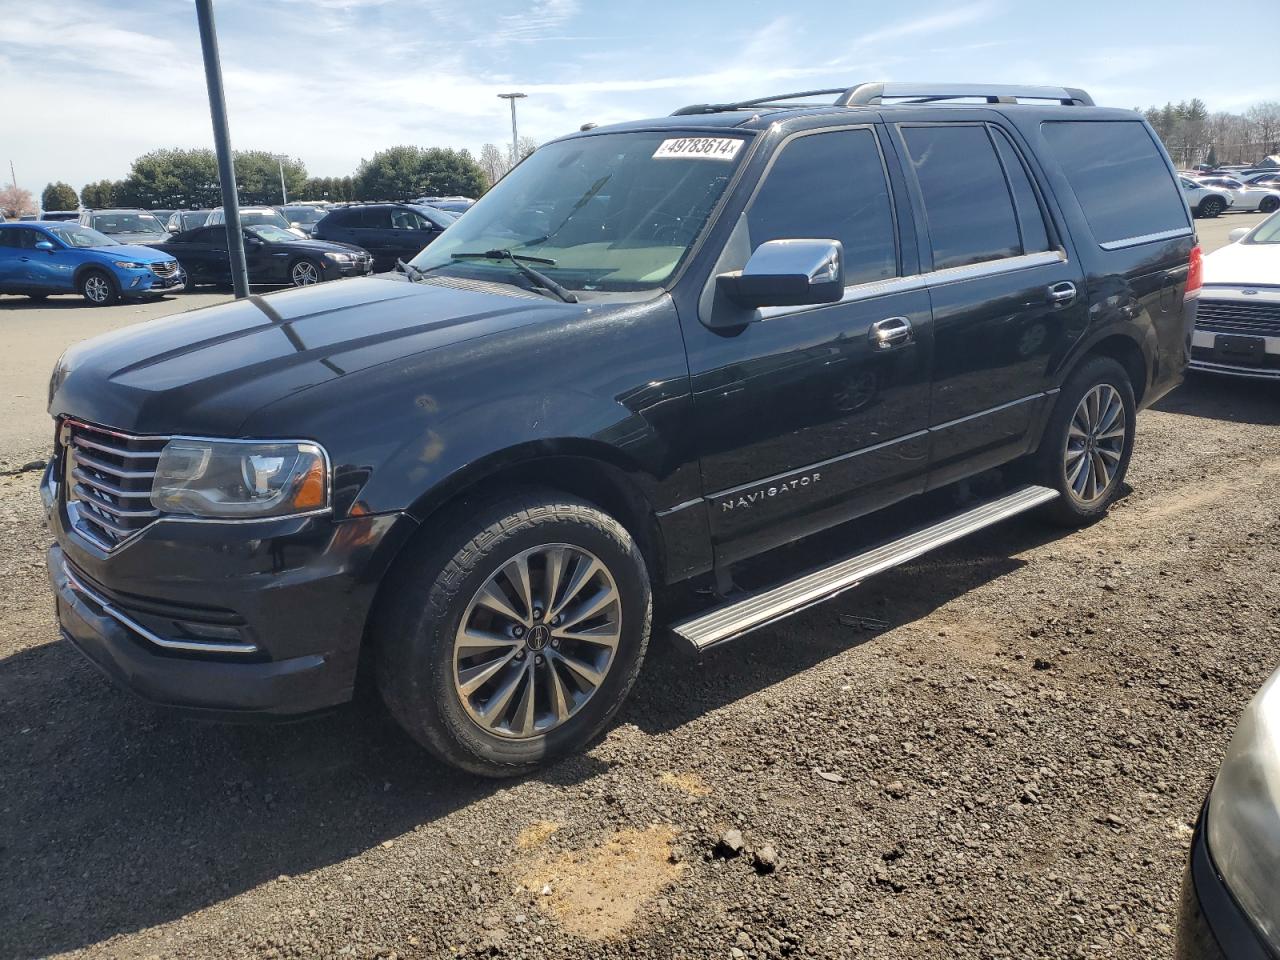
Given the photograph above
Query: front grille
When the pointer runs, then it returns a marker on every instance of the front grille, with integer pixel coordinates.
(166, 269)
(108, 476)
(1239, 316)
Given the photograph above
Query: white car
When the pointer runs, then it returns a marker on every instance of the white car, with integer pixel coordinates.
(1237, 330)
(1248, 197)
(1204, 201)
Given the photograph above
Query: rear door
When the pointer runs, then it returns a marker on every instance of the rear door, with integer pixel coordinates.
(10, 265)
(1007, 295)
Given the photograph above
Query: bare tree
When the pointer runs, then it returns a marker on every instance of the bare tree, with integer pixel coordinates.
(1264, 127)
(526, 146)
(494, 162)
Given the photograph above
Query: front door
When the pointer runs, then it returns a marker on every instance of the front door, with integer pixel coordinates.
(808, 416)
(1008, 297)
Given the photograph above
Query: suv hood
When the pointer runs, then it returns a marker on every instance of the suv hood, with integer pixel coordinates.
(133, 251)
(204, 372)
(1244, 263)
(140, 237)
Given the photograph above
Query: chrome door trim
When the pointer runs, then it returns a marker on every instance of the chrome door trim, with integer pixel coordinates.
(1147, 238)
(921, 281)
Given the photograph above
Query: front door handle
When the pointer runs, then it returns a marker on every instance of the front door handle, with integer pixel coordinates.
(891, 332)
(1062, 293)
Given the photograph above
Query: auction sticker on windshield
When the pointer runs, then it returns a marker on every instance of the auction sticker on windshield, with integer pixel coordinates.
(703, 148)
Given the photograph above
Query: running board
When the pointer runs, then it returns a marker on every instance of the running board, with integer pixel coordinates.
(734, 619)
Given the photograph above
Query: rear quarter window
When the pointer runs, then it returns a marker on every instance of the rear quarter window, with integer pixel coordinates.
(1120, 177)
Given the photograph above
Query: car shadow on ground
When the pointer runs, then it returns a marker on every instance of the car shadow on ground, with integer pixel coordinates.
(1233, 399)
(73, 301)
(116, 816)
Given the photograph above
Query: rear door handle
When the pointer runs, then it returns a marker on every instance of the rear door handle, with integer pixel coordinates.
(1062, 293)
(891, 332)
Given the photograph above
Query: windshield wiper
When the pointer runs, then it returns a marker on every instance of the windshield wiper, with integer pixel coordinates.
(410, 271)
(522, 264)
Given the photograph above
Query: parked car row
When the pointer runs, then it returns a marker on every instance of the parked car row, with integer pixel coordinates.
(298, 244)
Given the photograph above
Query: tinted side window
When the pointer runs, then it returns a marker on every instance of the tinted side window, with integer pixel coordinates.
(1035, 236)
(831, 186)
(375, 218)
(1119, 176)
(9, 238)
(966, 200)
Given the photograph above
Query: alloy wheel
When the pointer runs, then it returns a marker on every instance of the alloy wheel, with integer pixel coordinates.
(97, 289)
(1095, 443)
(304, 273)
(537, 641)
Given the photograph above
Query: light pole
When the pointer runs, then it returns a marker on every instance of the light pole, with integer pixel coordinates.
(283, 192)
(222, 143)
(515, 137)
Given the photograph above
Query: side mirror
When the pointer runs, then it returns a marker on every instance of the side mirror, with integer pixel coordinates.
(1237, 234)
(44, 245)
(785, 273)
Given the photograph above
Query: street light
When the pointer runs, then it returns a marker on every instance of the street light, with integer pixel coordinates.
(515, 139)
(283, 192)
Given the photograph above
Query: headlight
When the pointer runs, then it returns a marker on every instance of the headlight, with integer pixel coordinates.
(130, 265)
(56, 379)
(1244, 812)
(341, 257)
(223, 478)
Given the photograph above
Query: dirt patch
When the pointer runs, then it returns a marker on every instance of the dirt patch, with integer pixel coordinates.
(689, 783)
(535, 835)
(598, 893)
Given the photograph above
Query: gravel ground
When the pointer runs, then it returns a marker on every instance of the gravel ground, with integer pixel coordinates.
(1010, 767)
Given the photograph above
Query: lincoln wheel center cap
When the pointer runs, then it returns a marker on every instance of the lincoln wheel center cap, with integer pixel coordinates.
(539, 637)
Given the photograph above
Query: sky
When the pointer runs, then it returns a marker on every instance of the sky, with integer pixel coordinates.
(88, 85)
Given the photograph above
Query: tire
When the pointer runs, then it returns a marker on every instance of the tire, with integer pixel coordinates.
(98, 289)
(440, 687)
(1269, 205)
(1211, 207)
(1081, 501)
(305, 272)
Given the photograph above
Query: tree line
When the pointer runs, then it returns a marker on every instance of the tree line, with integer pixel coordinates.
(1193, 135)
(177, 178)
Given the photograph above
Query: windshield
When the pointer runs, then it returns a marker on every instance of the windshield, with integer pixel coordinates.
(1268, 231)
(608, 212)
(249, 218)
(304, 214)
(127, 223)
(271, 233)
(74, 236)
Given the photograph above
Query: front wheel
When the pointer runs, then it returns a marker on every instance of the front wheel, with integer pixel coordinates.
(1085, 451)
(1269, 204)
(513, 637)
(98, 289)
(1211, 207)
(304, 273)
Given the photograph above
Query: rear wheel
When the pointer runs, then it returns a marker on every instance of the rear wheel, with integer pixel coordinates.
(1269, 204)
(98, 289)
(304, 273)
(515, 636)
(1085, 451)
(1211, 207)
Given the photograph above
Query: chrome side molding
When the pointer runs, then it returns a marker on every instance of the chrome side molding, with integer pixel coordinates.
(732, 620)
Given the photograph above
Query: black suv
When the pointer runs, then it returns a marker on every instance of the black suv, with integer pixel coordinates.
(653, 352)
(389, 231)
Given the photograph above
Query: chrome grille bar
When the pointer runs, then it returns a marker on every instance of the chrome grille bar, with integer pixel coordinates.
(109, 476)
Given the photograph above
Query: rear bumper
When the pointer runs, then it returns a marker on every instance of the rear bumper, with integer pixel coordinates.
(1210, 924)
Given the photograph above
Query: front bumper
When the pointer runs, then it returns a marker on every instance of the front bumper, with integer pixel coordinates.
(1211, 926)
(232, 619)
(135, 284)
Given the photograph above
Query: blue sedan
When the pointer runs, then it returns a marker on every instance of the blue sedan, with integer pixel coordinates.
(42, 258)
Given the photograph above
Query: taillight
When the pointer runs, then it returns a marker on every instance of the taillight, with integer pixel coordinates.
(1195, 273)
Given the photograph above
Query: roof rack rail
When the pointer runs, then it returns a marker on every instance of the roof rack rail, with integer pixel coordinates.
(875, 93)
(870, 94)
